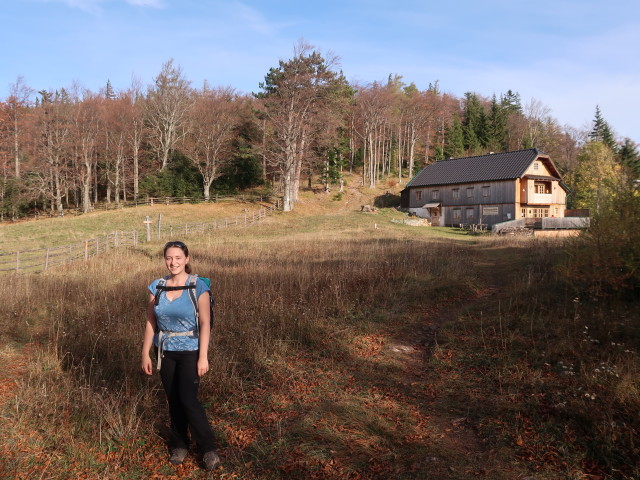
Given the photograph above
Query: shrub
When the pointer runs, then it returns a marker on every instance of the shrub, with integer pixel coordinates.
(605, 259)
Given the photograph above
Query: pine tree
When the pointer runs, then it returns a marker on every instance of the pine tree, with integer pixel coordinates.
(497, 126)
(601, 131)
(455, 140)
(510, 102)
(474, 124)
(109, 93)
(628, 156)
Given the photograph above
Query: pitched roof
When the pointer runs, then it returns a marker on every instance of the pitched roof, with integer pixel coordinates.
(481, 168)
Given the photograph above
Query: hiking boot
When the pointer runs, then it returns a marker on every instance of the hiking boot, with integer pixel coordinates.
(211, 460)
(178, 455)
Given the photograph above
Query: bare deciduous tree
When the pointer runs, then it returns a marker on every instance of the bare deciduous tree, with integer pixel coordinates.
(168, 103)
(213, 116)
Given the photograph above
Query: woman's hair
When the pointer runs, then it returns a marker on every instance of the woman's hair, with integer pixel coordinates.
(181, 246)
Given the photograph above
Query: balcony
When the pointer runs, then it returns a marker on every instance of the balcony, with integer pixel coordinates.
(540, 199)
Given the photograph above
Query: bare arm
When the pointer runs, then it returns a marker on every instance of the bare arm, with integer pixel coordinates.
(204, 317)
(149, 331)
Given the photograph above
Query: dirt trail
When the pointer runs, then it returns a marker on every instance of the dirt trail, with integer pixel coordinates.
(466, 453)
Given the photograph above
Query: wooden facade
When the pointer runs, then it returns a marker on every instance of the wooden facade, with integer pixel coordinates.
(487, 189)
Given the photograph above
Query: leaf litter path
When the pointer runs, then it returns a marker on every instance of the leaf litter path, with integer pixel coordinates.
(436, 381)
(13, 361)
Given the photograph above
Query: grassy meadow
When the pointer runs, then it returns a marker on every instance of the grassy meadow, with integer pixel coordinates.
(54, 232)
(345, 346)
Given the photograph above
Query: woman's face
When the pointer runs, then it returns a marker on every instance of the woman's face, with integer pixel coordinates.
(175, 260)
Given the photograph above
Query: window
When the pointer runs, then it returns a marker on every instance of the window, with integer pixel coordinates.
(457, 214)
(470, 213)
(539, 188)
(540, 212)
(456, 193)
(435, 195)
(485, 191)
(418, 194)
(535, 165)
(470, 192)
(524, 212)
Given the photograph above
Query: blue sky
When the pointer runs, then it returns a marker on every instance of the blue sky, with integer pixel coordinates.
(570, 55)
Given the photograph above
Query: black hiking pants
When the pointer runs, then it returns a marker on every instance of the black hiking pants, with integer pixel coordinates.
(179, 374)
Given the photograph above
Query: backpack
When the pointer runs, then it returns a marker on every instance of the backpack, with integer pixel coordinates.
(191, 289)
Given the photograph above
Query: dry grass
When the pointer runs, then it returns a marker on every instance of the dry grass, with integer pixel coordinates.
(52, 232)
(340, 350)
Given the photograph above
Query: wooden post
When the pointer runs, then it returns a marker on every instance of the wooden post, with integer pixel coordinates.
(115, 239)
(17, 261)
(147, 223)
(46, 260)
(159, 224)
(135, 238)
(86, 250)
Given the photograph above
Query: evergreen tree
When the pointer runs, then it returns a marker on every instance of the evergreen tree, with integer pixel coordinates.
(601, 131)
(109, 93)
(455, 140)
(510, 102)
(474, 124)
(628, 156)
(497, 127)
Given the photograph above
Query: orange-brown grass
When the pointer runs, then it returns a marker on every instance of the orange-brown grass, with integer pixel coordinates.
(375, 353)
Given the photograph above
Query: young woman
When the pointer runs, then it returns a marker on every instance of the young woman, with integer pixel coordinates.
(181, 347)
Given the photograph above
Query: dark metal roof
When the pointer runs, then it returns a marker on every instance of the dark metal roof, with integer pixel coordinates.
(481, 168)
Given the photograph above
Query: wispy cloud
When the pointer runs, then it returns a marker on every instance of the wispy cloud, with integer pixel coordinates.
(95, 6)
(252, 19)
(146, 3)
(89, 6)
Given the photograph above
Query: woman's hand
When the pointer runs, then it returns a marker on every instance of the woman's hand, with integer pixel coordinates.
(147, 364)
(203, 366)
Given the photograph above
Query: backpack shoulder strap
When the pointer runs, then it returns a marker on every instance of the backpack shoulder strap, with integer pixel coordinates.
(159, 287)
(191, 282)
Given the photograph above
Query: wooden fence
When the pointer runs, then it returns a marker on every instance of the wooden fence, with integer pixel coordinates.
(41, 259)
(146, 201)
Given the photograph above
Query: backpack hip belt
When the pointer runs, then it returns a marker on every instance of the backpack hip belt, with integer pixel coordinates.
(164, 335)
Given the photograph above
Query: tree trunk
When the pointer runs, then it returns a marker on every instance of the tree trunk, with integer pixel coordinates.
(86, 186)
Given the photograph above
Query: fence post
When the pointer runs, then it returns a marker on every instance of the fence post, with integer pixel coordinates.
(17, 261)
(46, 260)
(70, 254)
(115, 239)
(147, 223)
(86, 250)
(159, 224)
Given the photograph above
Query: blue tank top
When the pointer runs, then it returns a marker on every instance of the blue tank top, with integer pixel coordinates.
(177, 316)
